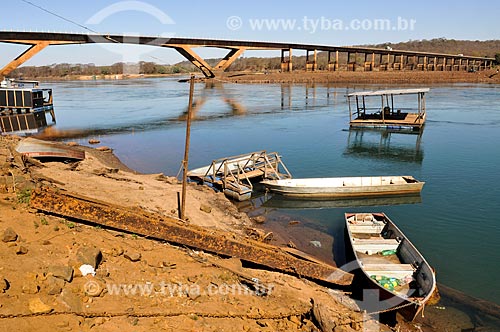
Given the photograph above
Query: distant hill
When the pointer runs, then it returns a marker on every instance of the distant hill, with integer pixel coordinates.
(487, 48)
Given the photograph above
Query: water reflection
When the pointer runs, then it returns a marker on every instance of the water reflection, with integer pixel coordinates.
(379, 144)
(280, 202)
(211, 89)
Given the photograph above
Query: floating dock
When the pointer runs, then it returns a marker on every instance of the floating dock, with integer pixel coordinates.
(234, 175)
(377, 109)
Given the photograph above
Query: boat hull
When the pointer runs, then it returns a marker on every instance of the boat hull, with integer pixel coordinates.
(342, 188)
(409, 301)
(36, 148)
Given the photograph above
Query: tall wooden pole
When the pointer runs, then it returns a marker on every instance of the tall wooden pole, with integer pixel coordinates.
(186, 149)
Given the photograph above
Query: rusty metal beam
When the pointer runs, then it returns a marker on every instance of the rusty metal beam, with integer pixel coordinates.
(86, 209)
(25, 56)
(229, 58)
(196, 60)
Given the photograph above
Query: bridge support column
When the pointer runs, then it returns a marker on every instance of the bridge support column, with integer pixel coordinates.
(311, 65)
(233, 54)
(286, 64)
(207, 70)
(351, 65)
(25, 56)
(369, 64)
(333, 65)
(196, 60)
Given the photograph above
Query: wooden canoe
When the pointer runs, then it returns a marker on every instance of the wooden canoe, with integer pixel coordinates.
(390, 263)
(346, 187)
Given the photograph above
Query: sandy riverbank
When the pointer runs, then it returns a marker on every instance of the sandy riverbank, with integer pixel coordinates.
(42, 288)
(300, 76)
(360, 77)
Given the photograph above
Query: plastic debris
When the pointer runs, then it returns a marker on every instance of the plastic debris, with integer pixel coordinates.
(87, 269)
(316, 244)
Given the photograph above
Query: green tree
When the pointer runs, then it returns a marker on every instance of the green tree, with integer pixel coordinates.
(497, 58)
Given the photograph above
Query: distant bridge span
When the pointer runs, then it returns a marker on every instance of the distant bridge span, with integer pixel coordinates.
(374, 58)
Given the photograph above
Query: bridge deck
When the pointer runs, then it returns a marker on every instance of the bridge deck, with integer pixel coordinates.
(394, 59)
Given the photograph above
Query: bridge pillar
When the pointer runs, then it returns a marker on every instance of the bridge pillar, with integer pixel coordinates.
(286, 64)
(351, 65)
(311, 65)
(233, 54)
(195, 59)
(25, 56)
(369, 64)
(435, 64)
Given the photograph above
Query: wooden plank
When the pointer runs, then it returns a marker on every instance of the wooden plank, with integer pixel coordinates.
(366, 229)
(375, 241)
(388, 267)
(376, 247)
(74, 206)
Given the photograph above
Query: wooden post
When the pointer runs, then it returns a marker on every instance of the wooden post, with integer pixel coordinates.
(186, 149)
(336, 60)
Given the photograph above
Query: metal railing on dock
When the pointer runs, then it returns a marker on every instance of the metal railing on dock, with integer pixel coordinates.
(233, 174)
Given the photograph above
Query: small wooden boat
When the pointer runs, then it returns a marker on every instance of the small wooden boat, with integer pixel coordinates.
(36, 148)
(390, 263)
(346, 187)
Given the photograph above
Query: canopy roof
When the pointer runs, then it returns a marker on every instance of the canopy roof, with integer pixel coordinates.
(389, 92)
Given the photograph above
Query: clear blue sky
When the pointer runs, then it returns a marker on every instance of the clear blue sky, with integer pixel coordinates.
(320, 22)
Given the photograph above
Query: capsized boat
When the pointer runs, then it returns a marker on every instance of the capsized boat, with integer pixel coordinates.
(391, 263)
(345, 187)
(36, 148)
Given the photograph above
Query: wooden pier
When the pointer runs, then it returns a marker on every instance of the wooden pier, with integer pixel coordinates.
(234, 175)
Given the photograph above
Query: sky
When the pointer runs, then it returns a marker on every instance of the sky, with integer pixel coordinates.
(313, 22)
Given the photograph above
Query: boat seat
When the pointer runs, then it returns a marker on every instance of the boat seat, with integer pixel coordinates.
(375, 241)
(398, 271)
(375, 246)
(367, 229)
(363, 217)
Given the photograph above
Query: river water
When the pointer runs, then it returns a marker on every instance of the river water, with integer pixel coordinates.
(457, 223)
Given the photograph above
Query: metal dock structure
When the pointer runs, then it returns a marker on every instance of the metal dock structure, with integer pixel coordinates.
(25, 107)
(376, 109)
(234, 175)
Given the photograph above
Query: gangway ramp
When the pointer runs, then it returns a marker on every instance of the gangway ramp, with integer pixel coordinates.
(233, 175)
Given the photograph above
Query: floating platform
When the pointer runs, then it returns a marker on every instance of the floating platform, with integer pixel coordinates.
(234, 175)
(377, 109)
(24, 107)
